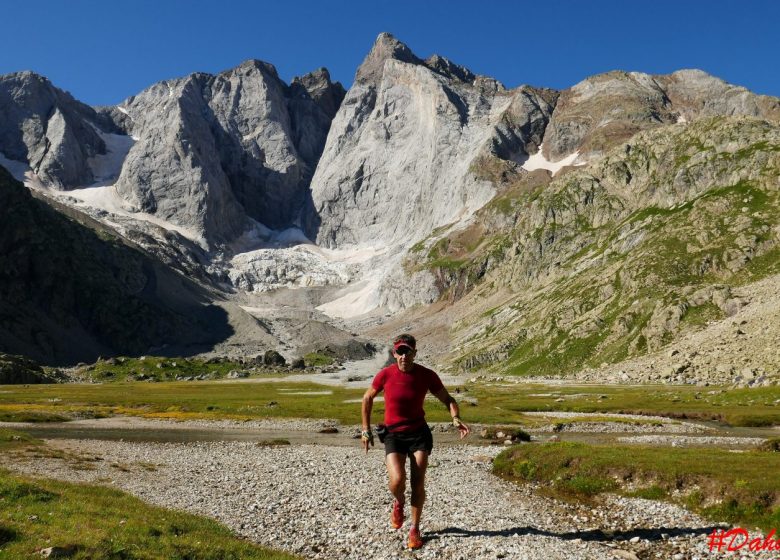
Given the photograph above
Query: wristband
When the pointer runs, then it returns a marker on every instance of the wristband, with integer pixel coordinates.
(366, 434)
(456, 421)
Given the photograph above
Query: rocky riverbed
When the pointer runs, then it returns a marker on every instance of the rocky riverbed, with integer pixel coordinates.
(330, 501)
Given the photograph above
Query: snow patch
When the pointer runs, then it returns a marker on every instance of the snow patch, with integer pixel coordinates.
(106, 199)
(355, 300)
(106, 167)
(538, 161)
(16, 168)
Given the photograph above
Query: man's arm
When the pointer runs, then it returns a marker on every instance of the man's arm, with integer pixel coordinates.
(367, 437)
(444, 396)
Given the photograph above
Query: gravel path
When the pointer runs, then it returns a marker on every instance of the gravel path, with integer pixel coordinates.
(324, 501)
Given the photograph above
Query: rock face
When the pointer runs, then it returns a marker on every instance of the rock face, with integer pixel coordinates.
(16, 370)
(205, 153)
(397, 160)
(605, 110)
(49, 130)
(67, 294)
(214, 150)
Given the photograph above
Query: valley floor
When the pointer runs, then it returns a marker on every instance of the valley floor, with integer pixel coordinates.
(330, 501)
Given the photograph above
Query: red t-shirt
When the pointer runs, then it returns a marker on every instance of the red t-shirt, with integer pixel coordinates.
(405, 393)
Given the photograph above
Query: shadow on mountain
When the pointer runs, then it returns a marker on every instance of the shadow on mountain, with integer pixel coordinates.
(70, 294)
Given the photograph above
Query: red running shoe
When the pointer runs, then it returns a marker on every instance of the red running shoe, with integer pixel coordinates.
(397, 515)
(415, 540)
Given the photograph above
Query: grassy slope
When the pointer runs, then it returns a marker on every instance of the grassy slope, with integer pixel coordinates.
(102, 523)
(591, 262)
(739, 488)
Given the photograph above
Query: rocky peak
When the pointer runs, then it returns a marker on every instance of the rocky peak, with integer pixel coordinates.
(45, 128)
(253, 65)
(385, 47)
(604, 110)
(698, 94)
(236, 145)
(402, 150)
(326, 94)
(449, 69)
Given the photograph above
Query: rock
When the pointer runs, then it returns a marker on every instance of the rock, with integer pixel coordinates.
(377, 151)
(15, 370)
(237, 374)
(58, 551)
(273, 358)
(329, 430)
(298, 363)
(250, 145)
(46, 128)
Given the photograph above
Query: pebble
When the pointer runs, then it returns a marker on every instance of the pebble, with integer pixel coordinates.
(323, 501)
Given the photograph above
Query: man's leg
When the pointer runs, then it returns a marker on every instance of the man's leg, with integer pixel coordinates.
(419, 464)
(396, 471)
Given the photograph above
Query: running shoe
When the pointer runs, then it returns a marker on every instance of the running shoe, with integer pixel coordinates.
(415, 539)
(397, 515)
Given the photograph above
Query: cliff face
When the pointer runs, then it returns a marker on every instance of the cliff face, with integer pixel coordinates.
(397, 160)
(206, 153)
(44, 127)
(70, 294)
(212, 151)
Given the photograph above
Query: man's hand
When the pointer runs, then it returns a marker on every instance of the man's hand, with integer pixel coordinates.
(462, 427)
(367, 438)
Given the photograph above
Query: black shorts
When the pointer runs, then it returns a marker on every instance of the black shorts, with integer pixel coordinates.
(409, 442)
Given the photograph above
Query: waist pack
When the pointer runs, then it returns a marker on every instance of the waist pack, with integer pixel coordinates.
(382, 429)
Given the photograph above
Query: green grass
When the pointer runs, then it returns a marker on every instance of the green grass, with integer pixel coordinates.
(318, 359)
(156, 368)
(11, 439)
(183, 400)
(93, 522)
(739, 488)
(739, 407)
(32, 416)
(496, 403)
(700, 315)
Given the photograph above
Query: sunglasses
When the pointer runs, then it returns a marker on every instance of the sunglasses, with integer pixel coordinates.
(404, 350)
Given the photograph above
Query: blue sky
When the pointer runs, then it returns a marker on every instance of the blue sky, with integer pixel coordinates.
(105, 51)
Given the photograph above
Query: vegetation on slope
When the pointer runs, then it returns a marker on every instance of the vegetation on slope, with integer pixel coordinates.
(623, 257)
(738, 488)
(84, 521)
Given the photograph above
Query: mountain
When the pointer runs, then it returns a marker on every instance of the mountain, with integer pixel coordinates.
(207, 155)
(46, 129)
(212, 151)
(69, 293)
(397, 161)
(673, 232)
(525, 230)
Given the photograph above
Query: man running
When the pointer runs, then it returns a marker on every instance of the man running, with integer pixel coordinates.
(405, 385)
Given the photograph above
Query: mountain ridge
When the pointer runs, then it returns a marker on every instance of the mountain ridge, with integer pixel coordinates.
(426, 183)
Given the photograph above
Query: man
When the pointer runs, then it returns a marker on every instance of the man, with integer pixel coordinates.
(405, 385)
